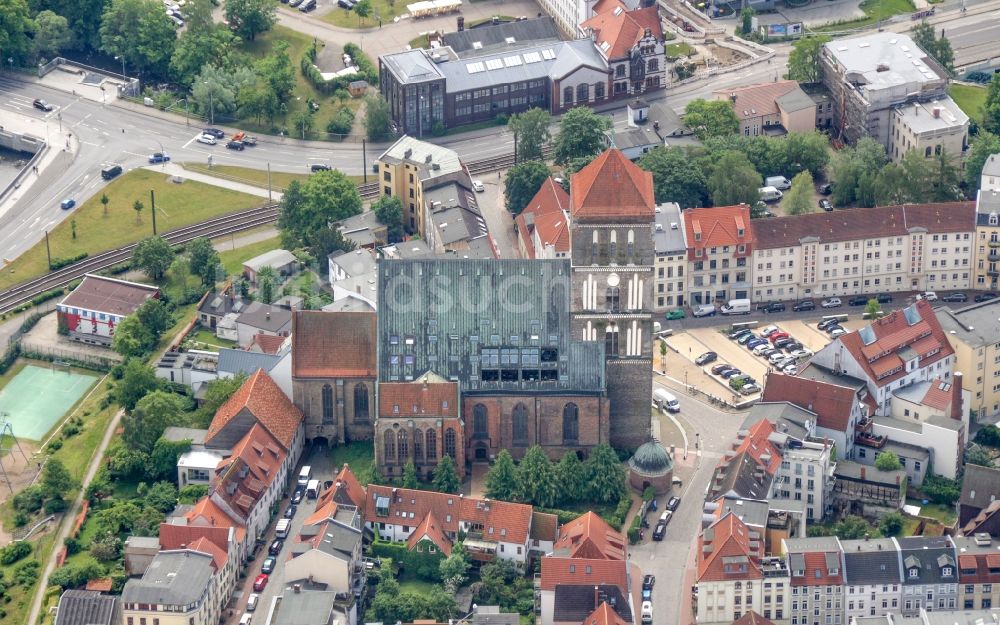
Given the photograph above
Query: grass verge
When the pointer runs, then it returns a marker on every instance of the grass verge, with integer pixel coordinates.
(232, 260)
(256, 177)
(676, 50)
(381, 9)
(360, 455)
(970, 98)
(176, 205)
(875, 11)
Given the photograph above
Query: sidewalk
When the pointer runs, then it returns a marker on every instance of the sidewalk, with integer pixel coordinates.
(174, 169)
(60, 145)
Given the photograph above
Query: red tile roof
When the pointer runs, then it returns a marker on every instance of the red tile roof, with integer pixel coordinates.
(109, 295)
(604, 615)
(333, 344)
(101, 584)
(851, 224)
(509, 522)
(432, 399)
(617, 30)
(589, 536)
(207, 519)
(204, 545)
(891, 334)
(323, 512)
(727, 551)
(752, 618)
(268, 343)
(980, 564)
(760, 99)
(831, 403)
(244, 477)
(718, 227)
(937, 397)
(267, 403)
(544, 526)
(612, 189)
(430, 529)
(816, 573)
(557, 571)
(346, 489)
(547, 215)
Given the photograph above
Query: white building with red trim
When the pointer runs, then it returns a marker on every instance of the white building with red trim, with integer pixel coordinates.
(92, 311)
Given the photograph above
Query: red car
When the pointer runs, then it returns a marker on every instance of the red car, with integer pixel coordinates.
(260, 582)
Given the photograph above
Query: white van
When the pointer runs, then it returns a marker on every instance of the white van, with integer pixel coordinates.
(737, 307)
(705, 310)
(281, 530)
(778, 182)
(245, 619)
(312, 489)
(666, 400)
(252, 602)
(769, 194)
(304, 475)
(647, 613)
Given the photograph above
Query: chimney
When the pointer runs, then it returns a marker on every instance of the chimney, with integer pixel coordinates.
(862, 473)
(596, 602)
(297, 588)
(956, 396)
(897, 480)
(937, 112)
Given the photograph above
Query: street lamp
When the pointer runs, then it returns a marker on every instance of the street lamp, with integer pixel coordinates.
(122, 58)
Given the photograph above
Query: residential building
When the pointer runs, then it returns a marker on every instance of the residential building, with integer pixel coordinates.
(748, 468)
(493, 529)
(191, 368)
(93, 309)
(670, 247)
(980, 489)
(720, 242)
(364, 230)
(986, 522)
(197, 465)
(139, 552)
(259, 318)
(914, 459)
(215, 306)
(451, 89)
(987, 239)
(972, 332)
(872, 577)
(327, 550)
(590, 537)
(902, 348)
(889, 248)
(806, 475)
(307, 604)
(187, 525)
(333, 374)
(282, 262)
(453, 222)
(870, 75)
(930, 128)
(978, 571)
(643, 126)
(567, 14)
(178, 588)
(631, 43)
(930, 574)
(409, 168)
(570, 589)
(87, 607)
(867, 491)
(612, 220)
(990, 178)
(605, 615)
(771, 108)
(927, 617)
(817, 579)
(352, 275)
(543, 225)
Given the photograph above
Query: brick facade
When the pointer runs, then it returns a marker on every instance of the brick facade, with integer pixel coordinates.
(347, 420)
(411, 429)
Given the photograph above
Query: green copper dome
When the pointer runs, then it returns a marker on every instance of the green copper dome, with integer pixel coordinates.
(651, 459)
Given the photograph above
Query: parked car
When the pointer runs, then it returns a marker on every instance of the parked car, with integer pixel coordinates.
(770, 351)
(826, 205)
(777, 336)
(298, 494)
(275, 547)
(790, 369)
(252, 602)
(673, 503)
(804, 305)
(744, 339)
(719, 368)
(761, 348)
(755, 343)
(478, 186)
(833, 302)
(207, 139)
(803, 352)
(768, 331)
(660, 531)
(930, 296)
(235, 145)
(268, 566)
(775, 307)
(955, 297)
(739, 332)
(776, 357)
(982, 297)
(307, 6)
(67, 204)
(290, 511)
(705, 358)
(883, 298)
(159, 157)
(648, 581)
(858, 300)
(704, 310)
(731, 373)
(791, 347)
(215, 132)
(837, 331)
(749, 389)
(826, 323)
(833, 327)
(677, 313)
(260, 582)
(825, 189)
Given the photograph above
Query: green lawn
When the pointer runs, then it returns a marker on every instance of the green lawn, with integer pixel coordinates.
(206, 336)
(256, 177)
(232, 260)
(943, 514)
(875, 10)
(970, 98)
(410, 582)
(420, 42)
(359, 455)
(176, 205)
(676, 50)
(385, 9)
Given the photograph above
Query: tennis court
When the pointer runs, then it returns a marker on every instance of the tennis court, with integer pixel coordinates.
(39, 396)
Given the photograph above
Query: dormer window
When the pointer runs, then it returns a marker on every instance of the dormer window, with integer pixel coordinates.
(739, 232)
(993, 219)
(914, 573)
(946, 571)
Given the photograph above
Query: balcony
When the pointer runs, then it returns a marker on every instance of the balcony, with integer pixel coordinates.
(993, 256)
(864, 426)
(993, 272)
(871, 440)
(993, 243)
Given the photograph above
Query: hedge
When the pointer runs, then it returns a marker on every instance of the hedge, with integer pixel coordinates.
(30, 322)
(366, 70)
(59, 263)
(46, 296)
(423, 564)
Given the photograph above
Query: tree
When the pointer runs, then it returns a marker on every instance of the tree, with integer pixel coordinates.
(887, 460)
(309, 208)
(363, 9)
(937, 48)
(733, 180)
(138, 379)
(152, 255)
(250, 17)
(803, 61)
(502, 478)
(410, 476)
(531, 132)
(56, 479)
(872, 308)
(276, 69)
(202, 43)
(137, 207)
(163, 459)
(106, 548)
(191, 493)
(852, 528)
(388, 210)
(676, 176)
(153, 414)
(83, 17)
(218, 89)
(711, 118)
(605, 475)
(266, 282)
(571, 476)
(802, 150)
(978, 455)
(204, 260)
(104, 202)
(983, 145)
(217, 392)
(746, 20)
(162, 496)
(378, 120)
(52, 34)
(892, 186)
(132, 339)
(850, 168)
(327, 241)
(891, 524)
(522, 183)
(446, 478)
(342, 121)
(537, 479)
(454, 568)
(988, 435)
(944, 179)
(16, 27)
(941, 490)
(155, 316)
(303, 123)
(581, 133)
(798, 200)
(140, 32)
(991, 109)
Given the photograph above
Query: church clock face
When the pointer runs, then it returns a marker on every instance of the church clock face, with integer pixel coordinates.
(613, 279)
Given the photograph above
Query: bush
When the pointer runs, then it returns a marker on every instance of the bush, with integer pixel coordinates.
(41, 298)
(30, 322)
(364, 64)
(14, 552)
(55, 444)
(55, 505)
(20, 518)
(341, 122)
(70, 430)
(72, 546)
(9, 356)
(29, 500)
(941, 490)
(26, 573)
(59, 263)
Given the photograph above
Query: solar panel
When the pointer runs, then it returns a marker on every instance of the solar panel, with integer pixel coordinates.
(512, 61)
(474, 67)
(494, 64)
(532, 57)
(548, 54)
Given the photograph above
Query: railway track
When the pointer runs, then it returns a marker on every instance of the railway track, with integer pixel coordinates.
(212, 228)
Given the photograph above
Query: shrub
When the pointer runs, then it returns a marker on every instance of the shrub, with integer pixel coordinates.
(14, 552)
(29, 500)
(30, 322)
(41, 298)
(341, 122)
(72, 546)
(55, 444)
(55, 505)
(59, 263)
(20, 518)
(26, 573)
(70, 430)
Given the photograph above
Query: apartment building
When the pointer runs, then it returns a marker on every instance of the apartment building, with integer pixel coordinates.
(772, 108)
(817, 578)
(978, 571)
(178, 588)
(631, 43)
(990, 178)
(729, 572)
(987, 238)
(671, 257)
(806, 476)
(888, 248)
(409, 168)
(902, 348)
(930, 128)
(930, 574)
(872, 577)
(543, 225)
(972, 332)
(720, 242)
